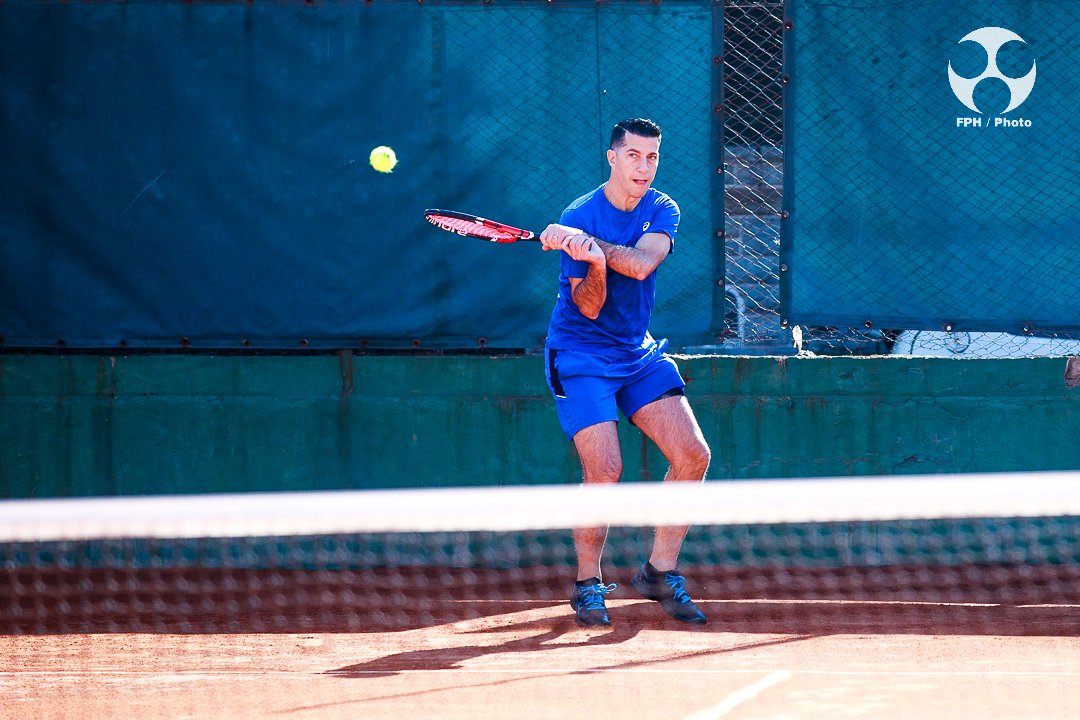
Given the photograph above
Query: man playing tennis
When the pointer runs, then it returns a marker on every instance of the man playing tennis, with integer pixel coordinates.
(601, 358)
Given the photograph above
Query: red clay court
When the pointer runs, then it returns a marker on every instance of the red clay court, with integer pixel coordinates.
(981, 642)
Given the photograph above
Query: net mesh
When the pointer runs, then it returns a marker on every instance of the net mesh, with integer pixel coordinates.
(370, 560)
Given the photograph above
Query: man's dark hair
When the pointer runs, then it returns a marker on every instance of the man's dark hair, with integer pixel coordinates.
(635, 126)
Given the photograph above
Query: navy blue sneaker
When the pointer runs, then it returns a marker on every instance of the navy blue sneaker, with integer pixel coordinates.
(669, 589)
(588, 602)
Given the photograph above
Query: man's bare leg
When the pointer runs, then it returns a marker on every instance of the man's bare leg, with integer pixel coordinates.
(601, 462)
(670, 423)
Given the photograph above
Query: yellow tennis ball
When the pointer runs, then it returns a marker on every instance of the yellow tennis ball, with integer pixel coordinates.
(383, 159)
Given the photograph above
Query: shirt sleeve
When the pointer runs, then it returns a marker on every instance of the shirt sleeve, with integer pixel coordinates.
(666, 218)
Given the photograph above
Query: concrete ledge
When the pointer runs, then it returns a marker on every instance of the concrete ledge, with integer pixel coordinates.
(100, 425)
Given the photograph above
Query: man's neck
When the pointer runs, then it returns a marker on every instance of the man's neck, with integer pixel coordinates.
(626, 203)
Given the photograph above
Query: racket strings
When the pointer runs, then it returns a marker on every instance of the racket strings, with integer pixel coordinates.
(471, 228)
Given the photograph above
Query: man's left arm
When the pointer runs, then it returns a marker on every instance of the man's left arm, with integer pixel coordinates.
(642, 259)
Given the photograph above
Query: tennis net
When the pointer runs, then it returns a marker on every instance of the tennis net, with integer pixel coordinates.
(389, 559)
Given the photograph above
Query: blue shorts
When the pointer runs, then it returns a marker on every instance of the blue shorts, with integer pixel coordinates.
(589, 389)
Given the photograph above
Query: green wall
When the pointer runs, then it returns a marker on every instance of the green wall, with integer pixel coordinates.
(88, 425)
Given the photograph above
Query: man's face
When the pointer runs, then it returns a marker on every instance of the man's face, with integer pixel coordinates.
(633, 164)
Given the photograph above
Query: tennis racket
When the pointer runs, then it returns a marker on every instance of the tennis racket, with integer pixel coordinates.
(475, 226)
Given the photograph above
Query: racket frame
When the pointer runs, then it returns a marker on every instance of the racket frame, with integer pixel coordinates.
(503, 233)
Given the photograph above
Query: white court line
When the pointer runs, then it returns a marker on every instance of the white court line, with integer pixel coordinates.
(738, 697)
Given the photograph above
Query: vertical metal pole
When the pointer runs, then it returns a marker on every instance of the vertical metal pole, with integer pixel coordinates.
(716, 157)
(787, 205)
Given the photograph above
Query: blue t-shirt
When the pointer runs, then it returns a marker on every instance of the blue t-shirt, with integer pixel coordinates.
(622, 328)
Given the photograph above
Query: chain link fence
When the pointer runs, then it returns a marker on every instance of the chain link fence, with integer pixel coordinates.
(754, 186)
(929, 172)
(536, 127)
(756, 126)
(195, 176)
(478, 125)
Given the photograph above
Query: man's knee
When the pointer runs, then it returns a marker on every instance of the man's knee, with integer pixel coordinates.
(598, 450)
(702, 455)
(693, 458)
(603, 470)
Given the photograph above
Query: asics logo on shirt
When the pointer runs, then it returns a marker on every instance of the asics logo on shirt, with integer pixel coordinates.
(645, 227)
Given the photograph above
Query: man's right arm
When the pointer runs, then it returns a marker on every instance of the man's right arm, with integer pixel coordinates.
(590, 292)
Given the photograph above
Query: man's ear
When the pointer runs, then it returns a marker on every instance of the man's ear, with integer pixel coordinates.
(611, 157)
